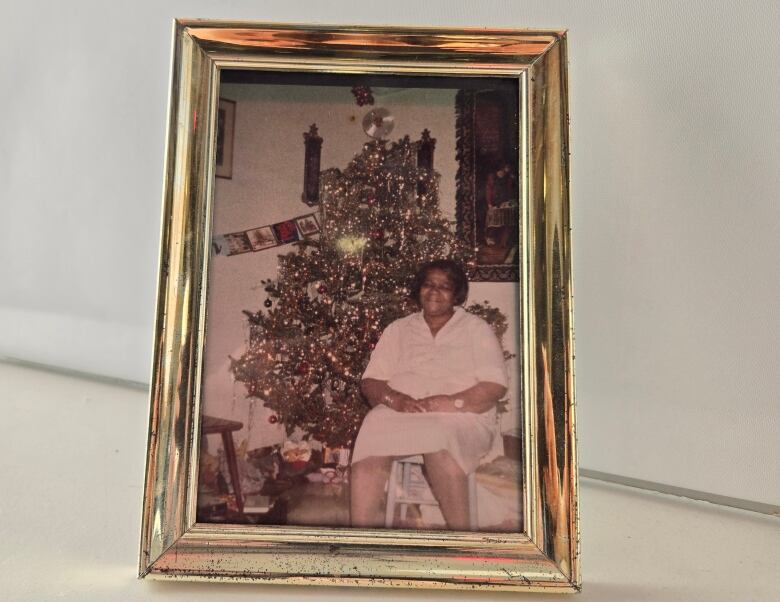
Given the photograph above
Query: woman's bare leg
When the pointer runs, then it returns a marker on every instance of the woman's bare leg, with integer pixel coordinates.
(367, 491)
(450, 486)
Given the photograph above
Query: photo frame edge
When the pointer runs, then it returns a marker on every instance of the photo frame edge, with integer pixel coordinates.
(172, 535)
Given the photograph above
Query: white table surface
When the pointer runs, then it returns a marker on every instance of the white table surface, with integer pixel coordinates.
(71, 467)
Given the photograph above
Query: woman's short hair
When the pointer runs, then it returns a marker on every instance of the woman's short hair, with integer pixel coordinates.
(453, 270)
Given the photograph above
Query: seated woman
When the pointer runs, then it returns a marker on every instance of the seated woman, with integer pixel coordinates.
(433, 382)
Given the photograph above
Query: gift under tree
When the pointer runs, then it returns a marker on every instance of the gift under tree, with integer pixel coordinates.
(334, 295)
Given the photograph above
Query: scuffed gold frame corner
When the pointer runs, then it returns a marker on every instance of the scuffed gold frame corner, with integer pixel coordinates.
(173, 545)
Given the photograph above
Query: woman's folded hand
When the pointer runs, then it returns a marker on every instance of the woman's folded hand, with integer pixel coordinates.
(406, 403)
(438, 403)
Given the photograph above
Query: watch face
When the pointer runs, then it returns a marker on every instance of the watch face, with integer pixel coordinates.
(458, 403)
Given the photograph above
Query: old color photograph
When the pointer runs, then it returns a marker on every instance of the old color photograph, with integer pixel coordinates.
(362, 363)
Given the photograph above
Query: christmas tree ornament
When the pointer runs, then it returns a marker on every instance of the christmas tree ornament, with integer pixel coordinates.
(268, 303)
(351, 244)
(273, 419)
(378, 123)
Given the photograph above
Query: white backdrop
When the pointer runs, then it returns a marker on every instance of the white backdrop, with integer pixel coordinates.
(676, 172)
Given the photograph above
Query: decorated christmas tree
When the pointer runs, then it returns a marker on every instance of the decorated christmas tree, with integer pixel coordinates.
(335, 294)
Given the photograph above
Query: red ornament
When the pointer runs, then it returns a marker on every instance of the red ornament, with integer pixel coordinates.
(302, 368)
(322, 289)
(377, 234)
(273, 419)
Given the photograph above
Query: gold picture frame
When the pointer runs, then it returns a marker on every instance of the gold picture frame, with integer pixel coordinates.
(545, 557)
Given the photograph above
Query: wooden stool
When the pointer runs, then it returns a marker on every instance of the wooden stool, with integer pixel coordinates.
(219, 426)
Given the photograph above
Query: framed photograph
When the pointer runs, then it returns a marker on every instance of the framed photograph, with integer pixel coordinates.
(226, 123)
(382, 393)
